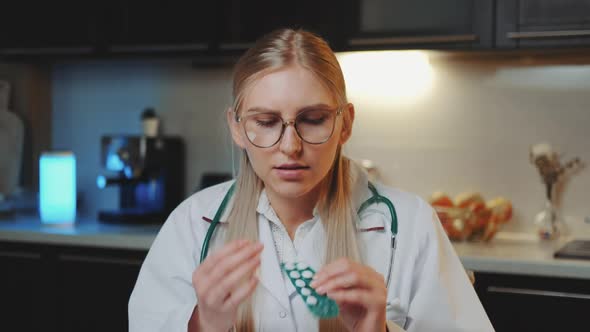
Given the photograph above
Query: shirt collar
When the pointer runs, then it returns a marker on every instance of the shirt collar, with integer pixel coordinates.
(265, 209)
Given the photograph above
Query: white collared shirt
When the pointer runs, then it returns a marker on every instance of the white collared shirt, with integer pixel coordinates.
(429, 289)
(287, 250)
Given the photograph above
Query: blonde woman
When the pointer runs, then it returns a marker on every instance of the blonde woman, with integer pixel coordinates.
(297, 198)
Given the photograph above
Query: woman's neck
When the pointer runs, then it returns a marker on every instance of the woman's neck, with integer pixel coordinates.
(293, 211)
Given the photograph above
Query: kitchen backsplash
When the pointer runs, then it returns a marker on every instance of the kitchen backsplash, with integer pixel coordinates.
(469, 130)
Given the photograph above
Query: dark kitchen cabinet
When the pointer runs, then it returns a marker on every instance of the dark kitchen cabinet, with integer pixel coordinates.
(96, 29)
(62, 288)
(158, 26)
(48, 27)
(227, 27)
(242, 22)
(96, 285)
(24, 289)
(429, 24)
(542, 23)
(534, 303)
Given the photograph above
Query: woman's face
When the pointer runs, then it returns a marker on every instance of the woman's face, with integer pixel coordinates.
(292, 167)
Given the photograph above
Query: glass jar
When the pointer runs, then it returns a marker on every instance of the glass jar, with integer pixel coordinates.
(549, 222)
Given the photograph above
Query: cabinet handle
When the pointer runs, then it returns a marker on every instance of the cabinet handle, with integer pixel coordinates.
(103, 260)
(412, 40)
(46, 50)
(235, 46)
(20, 254)
(524, 291)
(159, 48)
(547, 34)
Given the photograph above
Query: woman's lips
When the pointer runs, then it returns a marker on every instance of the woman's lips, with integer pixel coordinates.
(291, 172)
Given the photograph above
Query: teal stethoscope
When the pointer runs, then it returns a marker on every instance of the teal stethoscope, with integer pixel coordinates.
(374, 199)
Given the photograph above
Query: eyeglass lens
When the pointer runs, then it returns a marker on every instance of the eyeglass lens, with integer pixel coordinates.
(312, 126)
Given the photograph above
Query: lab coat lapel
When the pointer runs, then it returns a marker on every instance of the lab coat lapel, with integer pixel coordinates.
(270, 270)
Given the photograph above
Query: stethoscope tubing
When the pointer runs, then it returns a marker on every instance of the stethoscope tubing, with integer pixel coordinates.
(376, 198)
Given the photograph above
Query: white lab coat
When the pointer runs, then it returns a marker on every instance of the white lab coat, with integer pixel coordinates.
(429, 290)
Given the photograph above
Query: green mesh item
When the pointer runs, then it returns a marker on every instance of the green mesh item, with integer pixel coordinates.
(301, 276)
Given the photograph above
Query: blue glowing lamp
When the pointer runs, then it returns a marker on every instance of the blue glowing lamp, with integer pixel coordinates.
(57, 187)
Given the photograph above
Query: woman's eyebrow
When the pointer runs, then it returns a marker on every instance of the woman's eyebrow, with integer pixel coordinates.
(261, 110)
(315, 106)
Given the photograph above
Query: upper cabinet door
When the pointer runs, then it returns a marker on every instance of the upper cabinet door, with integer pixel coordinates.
(47, 27)
(243, 22)
(543, 23)
(390, 24)
(158, 26)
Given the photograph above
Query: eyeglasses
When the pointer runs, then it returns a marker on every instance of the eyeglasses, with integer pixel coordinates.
(314, 126)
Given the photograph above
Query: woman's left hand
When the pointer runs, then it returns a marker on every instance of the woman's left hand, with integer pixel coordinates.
(359, 291)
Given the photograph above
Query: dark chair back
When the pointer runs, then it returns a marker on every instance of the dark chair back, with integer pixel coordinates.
(212, 178)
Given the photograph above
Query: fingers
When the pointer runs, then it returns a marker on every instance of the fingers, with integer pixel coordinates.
(343, 281)
(227, 272)
(354, 297)
(233, 260)
(235, 280)
(343, 274)
(359, 297)
(333, 269)
(229, 248)
(240, 294)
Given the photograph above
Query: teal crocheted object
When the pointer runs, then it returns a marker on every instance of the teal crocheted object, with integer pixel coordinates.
(301, 276)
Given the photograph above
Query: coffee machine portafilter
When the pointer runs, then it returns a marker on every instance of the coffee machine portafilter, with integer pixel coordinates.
(149, 172)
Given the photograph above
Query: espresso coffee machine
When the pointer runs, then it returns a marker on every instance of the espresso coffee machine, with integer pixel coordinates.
(149, 172)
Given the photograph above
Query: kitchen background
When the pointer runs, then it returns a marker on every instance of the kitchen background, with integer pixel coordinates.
(499, 76)
(428, 120)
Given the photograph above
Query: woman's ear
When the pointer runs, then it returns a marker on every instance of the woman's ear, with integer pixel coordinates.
(348, 119)
(234, 127)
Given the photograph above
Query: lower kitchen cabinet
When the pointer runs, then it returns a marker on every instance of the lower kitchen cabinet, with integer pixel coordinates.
(534, 303)
(63, 288)
(23, 283)
(96, 287)
(69, 288)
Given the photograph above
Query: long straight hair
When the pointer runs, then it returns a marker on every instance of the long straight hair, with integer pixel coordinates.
(280, 49)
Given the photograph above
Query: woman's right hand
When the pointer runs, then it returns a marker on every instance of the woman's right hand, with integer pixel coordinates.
(223, 281)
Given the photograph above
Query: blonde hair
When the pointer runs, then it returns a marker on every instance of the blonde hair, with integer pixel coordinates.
(277, 50)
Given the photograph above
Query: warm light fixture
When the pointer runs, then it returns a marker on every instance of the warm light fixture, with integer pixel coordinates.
(57, 187)
(386, 77)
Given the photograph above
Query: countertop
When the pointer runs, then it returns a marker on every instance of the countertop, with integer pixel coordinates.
(512, 253)
(521, 253)
(85, 232)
